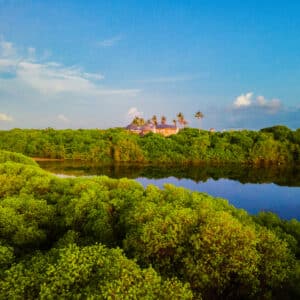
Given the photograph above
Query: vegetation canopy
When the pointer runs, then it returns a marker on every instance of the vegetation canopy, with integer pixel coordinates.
(102, 238)
(274, 145)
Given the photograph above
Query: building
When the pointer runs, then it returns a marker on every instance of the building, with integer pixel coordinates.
(163, 129)
(166, 130)
(148, 128)
(134, 128)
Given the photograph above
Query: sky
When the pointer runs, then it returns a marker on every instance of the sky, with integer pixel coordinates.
(98, 64)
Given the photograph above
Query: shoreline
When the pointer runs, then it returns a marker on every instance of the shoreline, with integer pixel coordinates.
(47, 159)
(171, 164)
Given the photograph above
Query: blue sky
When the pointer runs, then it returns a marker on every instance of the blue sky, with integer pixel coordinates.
(81, 64)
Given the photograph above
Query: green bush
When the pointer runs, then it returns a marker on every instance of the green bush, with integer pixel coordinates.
(274, 145)
(60, 238)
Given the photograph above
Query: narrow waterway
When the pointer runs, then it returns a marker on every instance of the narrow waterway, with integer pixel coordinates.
(275, 189)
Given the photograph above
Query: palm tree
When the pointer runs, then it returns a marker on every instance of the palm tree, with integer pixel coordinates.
(163, 120)
(154, 120)
(181, 119)
(175, 123)
(138, 121)
(199, 115)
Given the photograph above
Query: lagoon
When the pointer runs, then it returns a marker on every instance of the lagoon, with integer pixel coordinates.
(275, 189)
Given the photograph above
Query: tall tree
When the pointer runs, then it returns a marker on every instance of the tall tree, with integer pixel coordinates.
(138, 121)
(175, 122)
(199, 115)
(181, 119)
(163, 120)
(154, 120)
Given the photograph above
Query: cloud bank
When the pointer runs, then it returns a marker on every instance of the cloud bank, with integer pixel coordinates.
(5, 117)
(33, 85)
(247, 101)
(51, 77)
(243, 100)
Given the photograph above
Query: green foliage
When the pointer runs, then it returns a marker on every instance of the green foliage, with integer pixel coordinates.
(89, 212)
(286, 230)
(6, 256)
(280, 132)
(207, 243)
(85, 273)
(274, 145)
(22, 179)
(24, 221)
(178, 244)
(16, 157)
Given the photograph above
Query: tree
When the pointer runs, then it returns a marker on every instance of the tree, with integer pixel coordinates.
(138, 121)
(220, 253)
(154, 120)
(181, 119)
(91, 272)
(199, 115)
(163, 120)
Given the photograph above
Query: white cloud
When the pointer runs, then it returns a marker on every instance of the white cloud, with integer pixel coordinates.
(272, 106)
(33, 87)
(243, 100)
(52, 78)
(31, 52)
(7, 49)
(93, 76)
(53, 64)
(63, 118)
(261, 100)
(134, 112)
(7, 65)
(5, 117)
(261, 103)
(110, 42)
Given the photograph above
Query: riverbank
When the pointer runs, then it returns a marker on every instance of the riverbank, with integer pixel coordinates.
(37, 159)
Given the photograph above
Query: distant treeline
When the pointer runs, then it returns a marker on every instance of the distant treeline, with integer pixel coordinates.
(273, 145)
(102, 238)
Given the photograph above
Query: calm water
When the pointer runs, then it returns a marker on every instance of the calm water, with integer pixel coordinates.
(275, 189)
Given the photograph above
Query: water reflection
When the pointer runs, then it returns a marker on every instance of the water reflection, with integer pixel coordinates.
(275, 189)
(282, 200)
(285, 176)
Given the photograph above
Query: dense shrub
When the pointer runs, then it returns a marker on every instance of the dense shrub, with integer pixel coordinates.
(274, 145)
(16, 157)
(61, 238)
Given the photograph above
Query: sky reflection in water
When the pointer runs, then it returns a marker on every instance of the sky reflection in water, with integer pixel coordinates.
(283, 200)
(253, 189)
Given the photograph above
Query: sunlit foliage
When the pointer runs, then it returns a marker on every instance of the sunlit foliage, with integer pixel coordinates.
(274, 145)
(102, 238)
